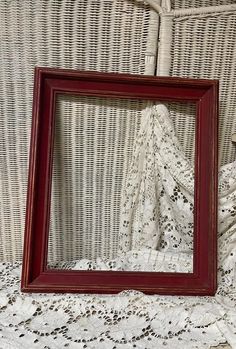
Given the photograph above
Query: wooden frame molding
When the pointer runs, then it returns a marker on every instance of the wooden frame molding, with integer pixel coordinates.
(50, 82)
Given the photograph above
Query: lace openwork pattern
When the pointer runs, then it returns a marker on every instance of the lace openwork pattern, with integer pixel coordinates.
(158, 235)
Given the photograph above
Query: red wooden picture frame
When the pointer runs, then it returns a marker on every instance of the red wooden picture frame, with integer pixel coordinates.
(50, 82)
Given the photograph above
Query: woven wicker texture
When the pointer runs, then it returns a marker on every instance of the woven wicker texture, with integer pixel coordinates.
(176, 4)
(101, 35)
(94, 140)
(203, 46)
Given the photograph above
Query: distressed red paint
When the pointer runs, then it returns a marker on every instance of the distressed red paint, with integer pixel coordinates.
(48, 83)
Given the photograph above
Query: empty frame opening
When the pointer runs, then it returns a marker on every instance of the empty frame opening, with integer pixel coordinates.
(115, 202)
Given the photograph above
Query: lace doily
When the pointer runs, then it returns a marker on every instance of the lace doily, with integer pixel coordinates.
(132, 319)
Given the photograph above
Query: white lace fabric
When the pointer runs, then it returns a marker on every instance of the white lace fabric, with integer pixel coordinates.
(159, 173)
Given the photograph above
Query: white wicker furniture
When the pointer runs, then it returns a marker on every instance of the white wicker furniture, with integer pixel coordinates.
(200, 42)
(106, 35)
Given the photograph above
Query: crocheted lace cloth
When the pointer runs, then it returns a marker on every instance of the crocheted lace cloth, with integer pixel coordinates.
(159, 191)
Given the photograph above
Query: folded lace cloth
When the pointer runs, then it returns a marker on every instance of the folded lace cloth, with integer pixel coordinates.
(155, 234)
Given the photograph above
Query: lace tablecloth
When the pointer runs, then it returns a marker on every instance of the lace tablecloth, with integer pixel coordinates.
(132, 319)
(127, 320)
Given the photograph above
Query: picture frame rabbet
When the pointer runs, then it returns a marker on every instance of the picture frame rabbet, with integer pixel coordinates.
(51, 82)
